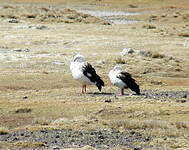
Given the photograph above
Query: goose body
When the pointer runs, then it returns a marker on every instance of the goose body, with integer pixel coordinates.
(83, 72)
(123, 80)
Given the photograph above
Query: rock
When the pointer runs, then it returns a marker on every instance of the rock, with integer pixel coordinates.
(76, 140)
(127, 51)
(132, 6)
(108, 101)
(87, 147)
(181, 101)
(56, 62)
(13, 21)
(25, 97)
(55, 148)
(137, 148)
(144, 53)
(23, 110)
(185, 96)
(149, 26)
(22, 50)
(61, 120)
(151, 54)
(39, 27)
(100, 62)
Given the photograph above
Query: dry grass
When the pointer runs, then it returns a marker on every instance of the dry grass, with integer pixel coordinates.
(3, 130)
(149, 26)
(21, 145)
(38, 93)
(184, 34)
(48, 15)
(120, 60)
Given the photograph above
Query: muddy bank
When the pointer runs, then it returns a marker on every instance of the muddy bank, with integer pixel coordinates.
(100, 139)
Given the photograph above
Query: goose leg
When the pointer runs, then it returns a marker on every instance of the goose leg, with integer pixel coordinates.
(82, 89)
(122, 91)
(85, 88)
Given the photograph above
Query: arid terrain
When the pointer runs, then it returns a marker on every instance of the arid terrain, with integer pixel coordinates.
(40, 104)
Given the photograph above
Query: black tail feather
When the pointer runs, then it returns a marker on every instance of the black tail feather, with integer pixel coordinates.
(91, 74)
(99, 83)
(135, 88)
(130, 82)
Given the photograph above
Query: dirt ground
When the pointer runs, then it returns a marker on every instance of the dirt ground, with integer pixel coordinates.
(40, 100)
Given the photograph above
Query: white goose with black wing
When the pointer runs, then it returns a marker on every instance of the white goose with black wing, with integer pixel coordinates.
(123, 80)
(83, 72)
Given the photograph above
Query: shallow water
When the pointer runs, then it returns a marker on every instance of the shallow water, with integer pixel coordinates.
(99, 13)
(116, 17)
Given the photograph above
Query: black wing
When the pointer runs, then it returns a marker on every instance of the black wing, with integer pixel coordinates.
(90, 73)
(129, 81)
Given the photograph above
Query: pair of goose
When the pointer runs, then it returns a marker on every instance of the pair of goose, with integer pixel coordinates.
(86, 75)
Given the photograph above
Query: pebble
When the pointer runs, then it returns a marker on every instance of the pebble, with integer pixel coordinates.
(165, 94)
(25, 97)
(22, 50)
(127, 51)
(108, 101)
(100, 62)
(67, 138)
(13, 21)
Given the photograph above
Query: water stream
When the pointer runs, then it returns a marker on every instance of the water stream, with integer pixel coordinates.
(116, 17)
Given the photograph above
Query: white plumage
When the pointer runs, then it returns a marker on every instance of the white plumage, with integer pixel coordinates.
(76, 68)
(84, 73)
(113, 75)
(123, 80)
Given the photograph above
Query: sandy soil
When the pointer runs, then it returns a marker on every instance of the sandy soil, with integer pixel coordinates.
(38, 39)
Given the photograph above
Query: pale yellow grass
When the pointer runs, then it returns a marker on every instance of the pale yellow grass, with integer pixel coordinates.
(36, 93)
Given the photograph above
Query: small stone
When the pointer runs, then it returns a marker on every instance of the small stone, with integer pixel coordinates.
(101, 137)
(57, 62)
(15, 139)
(100, 62)
(147, 139)
(133, 132)
(25, 97)
(144, 53)
(13, 21)
(132, 6)
(126, 51)
(22, 50)
(181, 101)
(149, 26)
(108, 101)
(55, 148)
(184, 96)
(22, 134)
(38, 27)
(41, 27)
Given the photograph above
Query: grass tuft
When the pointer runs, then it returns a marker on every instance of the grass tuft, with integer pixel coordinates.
(151, 54)
(140, 124)
(3, 131)
(41, 121)
(23, 110)
(28, 144)
(183, 34)
(120, 61)
(149, 26)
